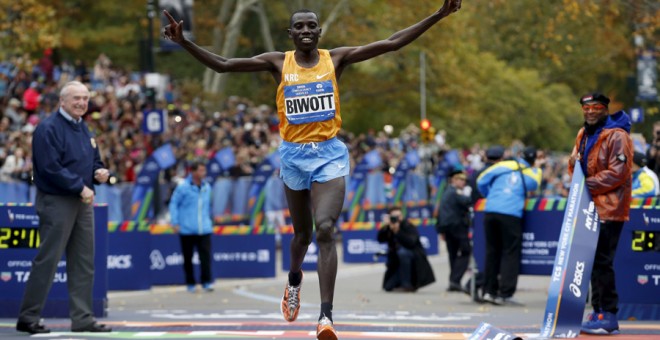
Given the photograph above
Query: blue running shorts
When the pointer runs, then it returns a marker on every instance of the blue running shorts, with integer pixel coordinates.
(302, 164)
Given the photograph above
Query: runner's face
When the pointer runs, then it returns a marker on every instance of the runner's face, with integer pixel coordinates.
(305, 31)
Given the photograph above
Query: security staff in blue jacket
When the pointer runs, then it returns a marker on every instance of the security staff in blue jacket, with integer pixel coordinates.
(66, 165)
(190, 214)
(505, 186)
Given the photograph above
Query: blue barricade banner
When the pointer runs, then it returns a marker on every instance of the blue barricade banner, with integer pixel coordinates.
(399, 182)
(636, 263)
(221, 197)
(213, 171)
(355, 193)
(416, 192)
(110, 195)
(142, 195)
(361, 246)
(312, 256)
(375, 189)
(360, 241)
(275, 199)
(166, 260)
(128, 260)
(19, 238)
(15, 192)
(238, 251)
(240, 196)
(225, 158)
(244, 256)
(257, 190)
(569, 282)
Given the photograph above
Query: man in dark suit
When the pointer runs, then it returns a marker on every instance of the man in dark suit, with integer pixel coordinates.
(454, 228)
(408, 269)
(67, 164)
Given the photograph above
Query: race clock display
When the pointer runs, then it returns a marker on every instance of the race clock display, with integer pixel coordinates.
(645, 240)
(19, 237)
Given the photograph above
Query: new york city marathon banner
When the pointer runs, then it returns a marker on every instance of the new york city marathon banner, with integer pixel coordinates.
(569, 281)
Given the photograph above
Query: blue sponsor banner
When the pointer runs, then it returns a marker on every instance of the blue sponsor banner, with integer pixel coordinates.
(213, 171)
(166, 260)
(154, 122)
(418, 212)
(257, 195)
(637, 114)
(244, 256)
(232, 256)
(429, 239)
(18, 226)
(164, 156)
(486, 331)
(308, 103)
(15, 192)
(569, 281)
(128, 261)
(362, 246)
(225, 158)
(149, 172)
(312, 256)
(399, 181)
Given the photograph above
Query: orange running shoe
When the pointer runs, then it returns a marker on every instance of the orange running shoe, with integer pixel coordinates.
(325, 330)
(290, 305)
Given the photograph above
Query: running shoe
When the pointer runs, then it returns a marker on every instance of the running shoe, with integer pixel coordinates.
(325, 330)
(290, 305)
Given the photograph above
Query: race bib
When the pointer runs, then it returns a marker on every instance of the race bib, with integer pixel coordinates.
(309, 103)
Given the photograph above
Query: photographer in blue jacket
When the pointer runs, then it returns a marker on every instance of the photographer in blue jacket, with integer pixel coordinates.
(190, 213)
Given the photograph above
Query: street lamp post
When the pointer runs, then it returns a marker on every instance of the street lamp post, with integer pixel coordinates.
(151, 14)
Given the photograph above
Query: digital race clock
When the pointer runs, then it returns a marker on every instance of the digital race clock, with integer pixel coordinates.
(645, 240)
(19, 237)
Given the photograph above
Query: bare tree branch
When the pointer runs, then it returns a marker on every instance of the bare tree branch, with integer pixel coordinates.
(265, 26)
(325, 26)
(230, 44)
(218, 36)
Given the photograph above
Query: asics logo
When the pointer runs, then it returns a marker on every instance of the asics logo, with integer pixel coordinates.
(322, 75)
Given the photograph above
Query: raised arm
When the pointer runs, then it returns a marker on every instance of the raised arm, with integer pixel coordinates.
(270, 61)
(344, 56)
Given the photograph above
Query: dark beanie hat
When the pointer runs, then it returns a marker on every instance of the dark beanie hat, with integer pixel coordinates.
(495, 152)
(639, 158)
(595, 97)
(529, 154)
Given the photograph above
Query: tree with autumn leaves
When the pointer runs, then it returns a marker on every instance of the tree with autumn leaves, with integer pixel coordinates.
(498, 71)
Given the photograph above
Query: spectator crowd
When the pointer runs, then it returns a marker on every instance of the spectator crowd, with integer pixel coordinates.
(29, 92)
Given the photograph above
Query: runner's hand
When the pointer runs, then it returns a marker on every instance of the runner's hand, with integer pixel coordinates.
(173, 31)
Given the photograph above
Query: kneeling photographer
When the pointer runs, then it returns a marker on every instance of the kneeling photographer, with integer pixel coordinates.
(408, 269)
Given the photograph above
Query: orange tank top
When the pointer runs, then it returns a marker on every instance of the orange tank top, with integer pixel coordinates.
(308, 100)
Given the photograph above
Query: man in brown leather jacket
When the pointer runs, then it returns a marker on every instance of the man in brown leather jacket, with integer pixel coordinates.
(605, 151)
